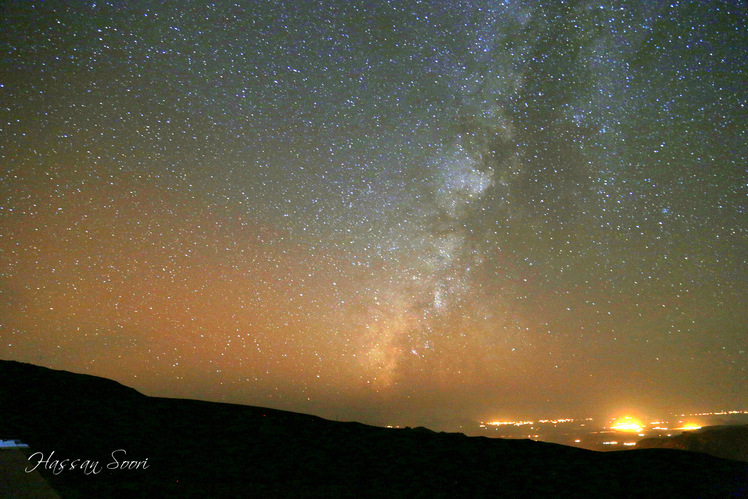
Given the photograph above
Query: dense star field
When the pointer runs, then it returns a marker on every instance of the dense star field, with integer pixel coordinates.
(381, 211)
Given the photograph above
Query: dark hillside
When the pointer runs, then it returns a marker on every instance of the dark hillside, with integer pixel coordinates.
(203, 449)
(730, 442)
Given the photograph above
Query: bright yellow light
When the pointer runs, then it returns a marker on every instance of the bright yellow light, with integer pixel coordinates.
(627, 424)
(689, 426)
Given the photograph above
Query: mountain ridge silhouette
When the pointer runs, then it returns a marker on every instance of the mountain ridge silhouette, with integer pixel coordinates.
(209, 449)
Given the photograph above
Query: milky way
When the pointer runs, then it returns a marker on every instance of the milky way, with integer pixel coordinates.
(383, 211)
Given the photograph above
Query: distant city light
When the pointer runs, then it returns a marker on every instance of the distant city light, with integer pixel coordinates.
(689, 426)
(623, 429)
(507, 423)
(627, 424)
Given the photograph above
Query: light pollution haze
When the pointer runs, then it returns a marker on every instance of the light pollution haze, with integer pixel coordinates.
(383, 211)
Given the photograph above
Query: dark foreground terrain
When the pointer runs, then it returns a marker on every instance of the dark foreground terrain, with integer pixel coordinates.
(187, 448)
(730, 442)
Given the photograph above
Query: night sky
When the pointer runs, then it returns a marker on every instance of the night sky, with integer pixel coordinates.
(384, 210)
